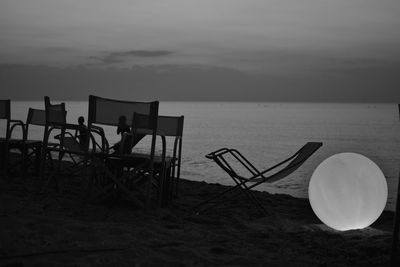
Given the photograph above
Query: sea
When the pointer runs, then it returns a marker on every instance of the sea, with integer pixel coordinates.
(267, 133)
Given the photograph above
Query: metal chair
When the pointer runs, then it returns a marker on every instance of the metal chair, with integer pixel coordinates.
(6, 141)
(256, 177)
(168, 166)
(55, 119)
(5, 114)
(108, 168)
(29, 147)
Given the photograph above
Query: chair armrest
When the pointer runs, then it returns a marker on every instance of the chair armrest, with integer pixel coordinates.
(16, 123)
(104, 146)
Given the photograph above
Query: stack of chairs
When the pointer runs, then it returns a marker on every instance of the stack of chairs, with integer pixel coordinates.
(139, 176)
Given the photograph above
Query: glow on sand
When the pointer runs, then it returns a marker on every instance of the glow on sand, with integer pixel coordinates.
(347, 191)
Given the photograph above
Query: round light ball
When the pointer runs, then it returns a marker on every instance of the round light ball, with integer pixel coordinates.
(347, 191)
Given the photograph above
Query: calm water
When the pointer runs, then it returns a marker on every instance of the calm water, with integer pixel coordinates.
(268, 132)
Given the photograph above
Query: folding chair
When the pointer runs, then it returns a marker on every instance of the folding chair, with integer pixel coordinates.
(6, 141)
(5, 114)
(171, 126)
(108, 169)
(166, 167)
(257, 177)
(27, 146)
(55, 119)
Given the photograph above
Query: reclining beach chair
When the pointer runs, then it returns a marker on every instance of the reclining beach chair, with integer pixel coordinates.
(245, 184)
(109, 169)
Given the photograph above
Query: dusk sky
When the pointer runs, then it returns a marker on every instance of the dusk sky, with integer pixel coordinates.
(285, 39)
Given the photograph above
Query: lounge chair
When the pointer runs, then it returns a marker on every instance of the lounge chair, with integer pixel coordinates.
(256, 177)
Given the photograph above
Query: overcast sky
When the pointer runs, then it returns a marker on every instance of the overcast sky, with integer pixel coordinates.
(253, 36)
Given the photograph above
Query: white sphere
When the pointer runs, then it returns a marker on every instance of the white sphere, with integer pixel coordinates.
(347, 191)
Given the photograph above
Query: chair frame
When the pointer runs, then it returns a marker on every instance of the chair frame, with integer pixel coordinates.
(25, 144)
(172, 165)
(10, 125)
(257, 177)
(101, 158)
(4, 142)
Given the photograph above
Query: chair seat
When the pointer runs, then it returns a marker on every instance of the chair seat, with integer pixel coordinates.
(137, 158)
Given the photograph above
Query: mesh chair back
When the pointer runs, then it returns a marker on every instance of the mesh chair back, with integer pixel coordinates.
(170, 126)
(36, 117)
(108, 111)
(55, 113)
(299, 158)
(5, 109)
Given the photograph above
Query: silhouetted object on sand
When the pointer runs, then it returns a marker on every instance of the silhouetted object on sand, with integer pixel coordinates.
(5, 114)
(166, 167)
(56, 119)
(224, 155)
(106, 174)
(30, 148)
(169, 126)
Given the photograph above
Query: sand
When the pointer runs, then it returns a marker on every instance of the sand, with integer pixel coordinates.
(56, 229)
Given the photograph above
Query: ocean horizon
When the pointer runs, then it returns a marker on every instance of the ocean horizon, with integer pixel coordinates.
(268, 132)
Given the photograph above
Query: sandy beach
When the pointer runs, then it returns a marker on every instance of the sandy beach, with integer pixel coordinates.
(55, 229)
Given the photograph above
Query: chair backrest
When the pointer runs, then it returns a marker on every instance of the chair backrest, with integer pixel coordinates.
(36, 117)
(170, 126)
(5, 114)
(108, 111)
(5, 109)
(297, 160)
(56, 114)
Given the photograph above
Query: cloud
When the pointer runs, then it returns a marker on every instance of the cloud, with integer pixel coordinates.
(119, 57)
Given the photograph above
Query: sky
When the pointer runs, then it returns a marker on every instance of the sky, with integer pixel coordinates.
(352, 42)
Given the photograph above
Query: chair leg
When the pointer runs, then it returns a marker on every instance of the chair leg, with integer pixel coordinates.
(243, 189)
(4, 163)
(24, 156)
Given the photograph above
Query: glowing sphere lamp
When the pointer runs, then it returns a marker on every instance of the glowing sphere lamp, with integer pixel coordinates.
(347, 191)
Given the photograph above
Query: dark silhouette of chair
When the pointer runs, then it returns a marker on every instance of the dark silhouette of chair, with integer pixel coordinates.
(171, 126)
(55, 120)
(5, 114)
(6, 142)
(224, 156)
(28, 147)
(166, 167)
(109, 169)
